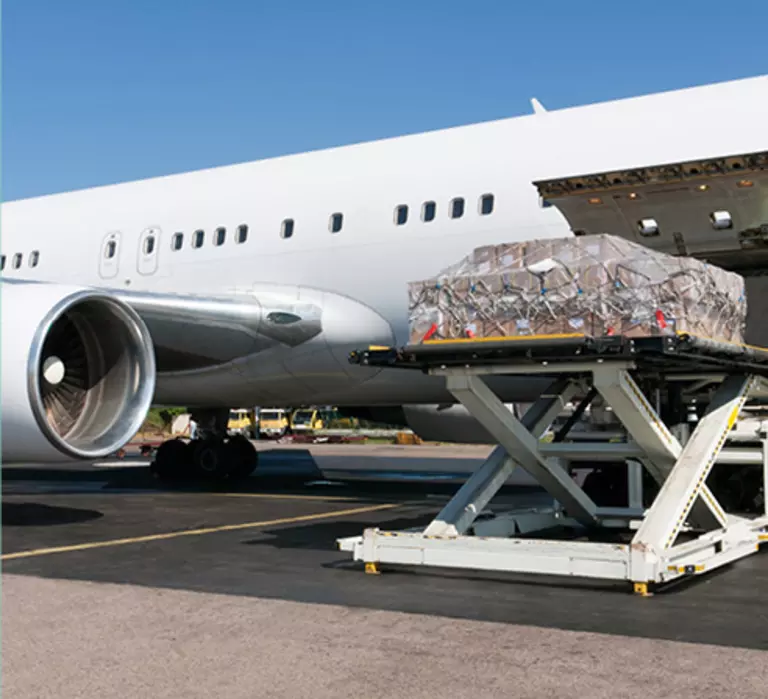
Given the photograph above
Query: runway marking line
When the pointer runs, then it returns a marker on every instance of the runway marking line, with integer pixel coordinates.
(196, 532)
(174, 493)
(286, 496)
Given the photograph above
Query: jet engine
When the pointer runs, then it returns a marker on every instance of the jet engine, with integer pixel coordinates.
(78, 372)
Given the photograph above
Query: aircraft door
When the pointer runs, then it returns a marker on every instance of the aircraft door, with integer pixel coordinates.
(109, 257)
(149, 246)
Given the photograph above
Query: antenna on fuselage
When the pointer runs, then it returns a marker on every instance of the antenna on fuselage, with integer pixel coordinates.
(538, 107)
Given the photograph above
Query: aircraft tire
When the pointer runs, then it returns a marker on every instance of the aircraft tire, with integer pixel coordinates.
(241, 456)
(172, 460)
(209, 459)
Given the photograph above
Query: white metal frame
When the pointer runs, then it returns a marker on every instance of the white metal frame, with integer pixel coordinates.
(456, 538)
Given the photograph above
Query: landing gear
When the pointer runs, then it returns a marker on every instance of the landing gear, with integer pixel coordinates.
(208, 459)
(212, 456)
(241, 456)
(172, 460)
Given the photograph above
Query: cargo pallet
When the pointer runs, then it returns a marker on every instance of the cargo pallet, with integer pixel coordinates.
(675, 528)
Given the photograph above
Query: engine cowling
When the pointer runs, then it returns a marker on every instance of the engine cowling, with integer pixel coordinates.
(433, 423)
(78, 373)
(446, 423)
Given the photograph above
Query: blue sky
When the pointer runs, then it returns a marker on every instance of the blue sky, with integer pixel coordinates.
(103, 91)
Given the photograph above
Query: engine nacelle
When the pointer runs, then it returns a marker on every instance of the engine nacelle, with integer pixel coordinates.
(433, 423)
(446, 423)
(78, 372)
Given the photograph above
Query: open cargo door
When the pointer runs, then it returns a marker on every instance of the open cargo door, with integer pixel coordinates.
(713, 209)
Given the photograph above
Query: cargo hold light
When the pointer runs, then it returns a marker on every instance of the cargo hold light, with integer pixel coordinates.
(648, 227)
(721, 220)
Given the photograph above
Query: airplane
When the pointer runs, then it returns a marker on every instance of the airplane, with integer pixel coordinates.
(250, 284)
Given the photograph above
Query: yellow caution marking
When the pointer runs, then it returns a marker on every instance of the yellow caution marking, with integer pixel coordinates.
(629, 384)
(642, 589)
(734, 416)
(195, 532)
(684, 569)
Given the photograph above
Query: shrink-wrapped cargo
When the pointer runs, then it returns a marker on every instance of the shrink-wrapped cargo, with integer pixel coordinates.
(594, 285)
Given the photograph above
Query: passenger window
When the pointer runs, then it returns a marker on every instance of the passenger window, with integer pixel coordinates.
(486, 204)
(457, 207)
(17, 260)
(221, 236)
(335, 223)
(110, 250)
(242, 233)
(198, 238)
(2, 262)
(428, 211)
(149, 245)
(286, 230)
(177, 241)
(401, 214)
(34, 258)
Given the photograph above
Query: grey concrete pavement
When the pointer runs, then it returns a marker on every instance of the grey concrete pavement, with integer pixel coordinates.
(72, 639)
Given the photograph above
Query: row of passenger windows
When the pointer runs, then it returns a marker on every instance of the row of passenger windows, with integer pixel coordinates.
(198, 238)
(18, 259)
(456, 209)
(177, 241)
(336, 222)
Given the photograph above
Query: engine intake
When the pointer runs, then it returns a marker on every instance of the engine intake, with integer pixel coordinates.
(89, 372)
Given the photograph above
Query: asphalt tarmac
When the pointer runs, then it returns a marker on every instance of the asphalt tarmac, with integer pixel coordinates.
(116, 585)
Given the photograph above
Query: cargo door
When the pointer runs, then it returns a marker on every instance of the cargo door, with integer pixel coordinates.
(713, 210)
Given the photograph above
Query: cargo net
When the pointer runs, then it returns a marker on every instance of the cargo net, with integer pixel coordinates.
(592, 285)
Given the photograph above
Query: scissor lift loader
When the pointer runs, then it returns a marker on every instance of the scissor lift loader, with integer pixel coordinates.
(693, 460)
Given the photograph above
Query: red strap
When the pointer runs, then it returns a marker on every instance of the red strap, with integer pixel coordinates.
(660, 320)
(430, 332)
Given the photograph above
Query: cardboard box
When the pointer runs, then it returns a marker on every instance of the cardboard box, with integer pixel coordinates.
(594, 285)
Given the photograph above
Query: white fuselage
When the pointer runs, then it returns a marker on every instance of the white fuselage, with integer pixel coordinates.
(371, 259)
